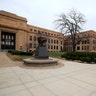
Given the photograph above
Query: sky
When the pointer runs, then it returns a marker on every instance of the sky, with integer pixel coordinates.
(42, 13)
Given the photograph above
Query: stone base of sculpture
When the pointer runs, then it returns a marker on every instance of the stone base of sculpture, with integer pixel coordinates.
(41, 62)
(41, 52)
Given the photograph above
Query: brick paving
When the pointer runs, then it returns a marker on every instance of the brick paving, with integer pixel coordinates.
(71, 79)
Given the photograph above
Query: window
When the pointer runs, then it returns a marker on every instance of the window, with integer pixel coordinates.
(34, 45)
(39, 32)
(87, 41)
(61, 48)
(3, 36)
(6, 37)
(30, 29)
(61, 42)
(48, 33)
(57, 41)
(35, 30)
(42, 32)
(87, 47)
(30, 38)
(54, 41)
(54, 47)
(48, 46)
(57, 47)
(78, 48)
(54, 34)
(9, 36)
(94, 41)
(30, 45)
(48, 40)
(51, 40)
(51, 47)
(34, 38)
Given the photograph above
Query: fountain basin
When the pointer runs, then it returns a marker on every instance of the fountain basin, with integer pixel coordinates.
(40, 61)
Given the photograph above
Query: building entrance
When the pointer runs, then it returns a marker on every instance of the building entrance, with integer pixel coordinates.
(7, 40)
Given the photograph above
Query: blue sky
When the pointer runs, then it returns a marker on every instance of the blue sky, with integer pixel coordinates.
(42, 13)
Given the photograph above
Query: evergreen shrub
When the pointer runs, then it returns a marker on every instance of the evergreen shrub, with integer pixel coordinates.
(15, 52)
(83, 56)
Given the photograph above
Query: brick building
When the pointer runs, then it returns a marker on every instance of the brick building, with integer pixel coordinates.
(16, 34)
(86, 42)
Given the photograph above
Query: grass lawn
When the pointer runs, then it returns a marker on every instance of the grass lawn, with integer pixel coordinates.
(55, 54)
(21, 57)
(17, 57)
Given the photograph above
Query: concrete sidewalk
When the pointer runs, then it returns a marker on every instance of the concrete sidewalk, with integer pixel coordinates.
(71, 79)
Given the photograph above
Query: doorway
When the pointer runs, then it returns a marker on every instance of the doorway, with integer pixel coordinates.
(7, 40)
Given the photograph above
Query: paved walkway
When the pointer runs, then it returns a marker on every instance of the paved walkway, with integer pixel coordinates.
(72, 79)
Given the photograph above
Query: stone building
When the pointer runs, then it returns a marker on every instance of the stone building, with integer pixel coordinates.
(86, 42)
(16, 34)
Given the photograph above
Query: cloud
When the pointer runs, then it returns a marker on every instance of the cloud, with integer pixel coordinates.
(43, 12)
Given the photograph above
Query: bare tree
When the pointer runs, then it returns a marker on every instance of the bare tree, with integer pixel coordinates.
(70, 24)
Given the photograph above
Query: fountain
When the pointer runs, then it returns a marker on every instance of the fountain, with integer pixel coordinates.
(41, 54)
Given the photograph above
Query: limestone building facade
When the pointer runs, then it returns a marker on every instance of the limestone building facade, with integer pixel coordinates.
(16, 34)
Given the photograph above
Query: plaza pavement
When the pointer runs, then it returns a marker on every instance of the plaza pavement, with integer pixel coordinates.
(68, 79)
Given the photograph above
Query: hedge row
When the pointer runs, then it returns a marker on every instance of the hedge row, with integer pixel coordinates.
(83, 56)
(15, 52)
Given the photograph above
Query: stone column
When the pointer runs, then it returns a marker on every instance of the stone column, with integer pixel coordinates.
(0, 39)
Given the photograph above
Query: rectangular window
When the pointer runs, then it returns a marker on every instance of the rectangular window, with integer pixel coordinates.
(34, 45)
(57, 41)
(54, 47)
(48, 40)
(30, 38)
(88, 41)
(87, 47)
(30, 45)
(51, 47)
(48, 46)
(34, 38)
(54, 41)
(57, 47)
(61, 42)
(51, 40)
(78, 48)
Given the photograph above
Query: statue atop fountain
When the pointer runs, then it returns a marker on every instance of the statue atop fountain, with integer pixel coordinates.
(41, 51)
(41, 54)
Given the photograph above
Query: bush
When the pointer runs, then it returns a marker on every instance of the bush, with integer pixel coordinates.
(88, 59)
(77, 58)
(15, 52)
(82, 59)
(83, 56)
(64, 55)
(94, 59)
